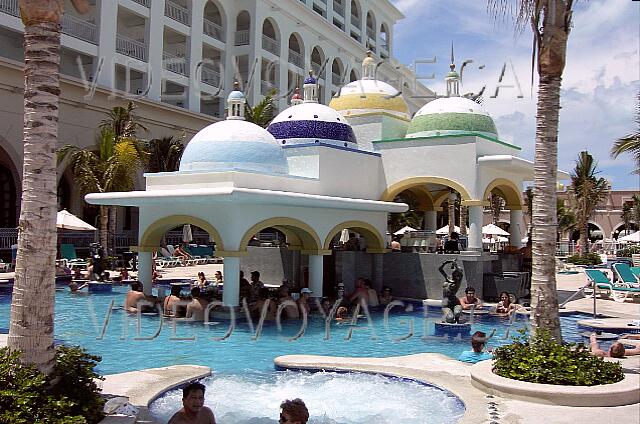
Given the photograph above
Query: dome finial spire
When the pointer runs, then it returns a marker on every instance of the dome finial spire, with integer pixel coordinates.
(310, 88)
(369, 66)
(235, 103)
(452, 79)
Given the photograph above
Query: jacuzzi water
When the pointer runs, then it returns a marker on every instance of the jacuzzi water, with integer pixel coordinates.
(243, 365)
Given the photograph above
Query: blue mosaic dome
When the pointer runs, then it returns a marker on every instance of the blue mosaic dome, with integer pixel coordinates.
(234, 145)
(236, 95)
(312, 123)
(310, 80)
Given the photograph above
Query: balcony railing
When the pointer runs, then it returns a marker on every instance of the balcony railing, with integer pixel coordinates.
(242, 38)
(338, 8)
(266, 87)
(212, 29)
(371, 34)
(355, 21)
(270, 45)
(176, 12)
(316, 69)
(296, 58)
(145, 3)
(131, 48)
(210, 76)
(335, 78)
(10, 7)
(175, 63)
(79, 28)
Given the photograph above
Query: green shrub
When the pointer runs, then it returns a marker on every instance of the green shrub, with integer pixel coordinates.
(545, 361)
(68, 396)
(586, 259)
(628, 251)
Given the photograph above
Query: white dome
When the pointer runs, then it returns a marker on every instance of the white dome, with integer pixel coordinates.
(234, 145)
(452, 105)
(312, 123)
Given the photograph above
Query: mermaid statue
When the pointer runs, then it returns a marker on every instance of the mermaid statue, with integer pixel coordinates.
(451, 308)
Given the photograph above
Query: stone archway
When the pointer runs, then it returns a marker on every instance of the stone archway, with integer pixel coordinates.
(150, 239)
(507, 190)
(375, 240)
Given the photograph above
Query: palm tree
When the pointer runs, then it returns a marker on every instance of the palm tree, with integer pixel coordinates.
(32, 303)
(586, 193)
(164, 153)
(262, 113)
(627, 216)
(566, 218)
(110, 166)
(528, 198)
(496, 203)
(410, 218)
(550, 21)
(630, 143)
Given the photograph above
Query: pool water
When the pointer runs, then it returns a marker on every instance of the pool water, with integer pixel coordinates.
(80, 320)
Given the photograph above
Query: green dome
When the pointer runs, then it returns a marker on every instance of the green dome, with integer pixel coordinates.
(451, 116)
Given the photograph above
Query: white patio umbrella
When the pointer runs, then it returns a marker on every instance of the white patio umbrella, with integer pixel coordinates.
(633, 237)
(493, 230)
(403, 230)
(68, 221)
(445, 230)
(187, 235)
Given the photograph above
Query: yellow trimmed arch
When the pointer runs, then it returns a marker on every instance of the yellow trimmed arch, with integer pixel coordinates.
(299, 235)
(425, 200)
(393, 190)
(375, 240)
(154, 232)
(507, 190)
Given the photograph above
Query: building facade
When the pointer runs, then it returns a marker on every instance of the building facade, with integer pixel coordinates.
(178, 58)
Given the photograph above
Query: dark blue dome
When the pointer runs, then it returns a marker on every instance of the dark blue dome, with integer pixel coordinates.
(310, 80)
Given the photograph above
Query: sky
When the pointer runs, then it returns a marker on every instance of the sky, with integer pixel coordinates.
(600, 84)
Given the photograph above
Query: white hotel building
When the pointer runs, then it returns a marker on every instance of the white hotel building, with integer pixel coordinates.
(178, 60)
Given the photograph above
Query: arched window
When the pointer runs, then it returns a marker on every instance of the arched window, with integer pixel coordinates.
(213, 21)
(243, 28)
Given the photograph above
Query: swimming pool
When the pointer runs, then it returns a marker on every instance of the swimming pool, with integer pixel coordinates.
(129, 344)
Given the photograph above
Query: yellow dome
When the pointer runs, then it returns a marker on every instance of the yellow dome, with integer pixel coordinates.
(369, 96)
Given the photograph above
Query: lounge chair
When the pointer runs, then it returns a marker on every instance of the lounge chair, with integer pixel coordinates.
(619, 292)
(636, 271)
(599, 279)
(68, 251)
(625, 275)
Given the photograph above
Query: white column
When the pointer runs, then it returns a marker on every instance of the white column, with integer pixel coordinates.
(156, 45)
(195, 54)
(316, 275)
(107, 42)
(231, 272)
(283, 71)
(475, 228)
(515, 228)
(145, 271)
(431, 220)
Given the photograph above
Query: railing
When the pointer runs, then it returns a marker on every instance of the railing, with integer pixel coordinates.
(266, 87)
(355, 21)
(176, 12)
(174, 63)
(130, 47)
(316, 69)
(335, 78)
(212, 29)
(145, 3)
(338, 8)
(210, 76)
(296, 58)
(270, 45)
(371, 34)
(10, 7)
(242, 38)
(79, 28)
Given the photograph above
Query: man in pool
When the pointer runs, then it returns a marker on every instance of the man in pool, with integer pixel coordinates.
(135, 295)
(193, 410)
(470, 299)
(616, 350)
(477, 352)
(293, 412)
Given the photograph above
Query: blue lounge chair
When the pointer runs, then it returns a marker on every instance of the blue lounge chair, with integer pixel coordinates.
(68, 251)
(619, 292)
(636, 271)
(625, 275)
(600, 281)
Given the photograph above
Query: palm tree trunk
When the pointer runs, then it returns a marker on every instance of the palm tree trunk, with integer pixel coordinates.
(452, 215)
(113, 215)
(104, 229)
(463, 220)
(32, 304)
(544, 300)
(584, 239)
